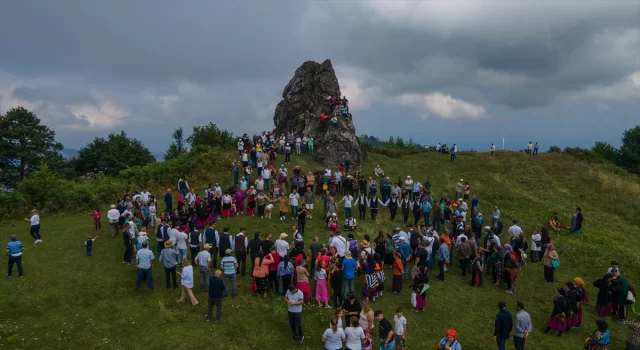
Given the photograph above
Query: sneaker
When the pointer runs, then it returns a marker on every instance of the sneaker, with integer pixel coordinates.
(301, 340)
(509, 291)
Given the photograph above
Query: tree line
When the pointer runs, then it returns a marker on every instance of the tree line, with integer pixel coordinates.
(26, 145)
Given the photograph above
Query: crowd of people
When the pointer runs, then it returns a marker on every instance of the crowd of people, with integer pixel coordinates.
(435, 232)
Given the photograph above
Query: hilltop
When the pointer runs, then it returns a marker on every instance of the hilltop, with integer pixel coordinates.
(71, 301)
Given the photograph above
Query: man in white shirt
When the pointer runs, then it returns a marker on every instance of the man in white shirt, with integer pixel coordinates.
(181, 244)
(294, 199)
(145, 195)
(348, 202)
(438, 147)
(113, 215)
(266, 176)
(514, 230)
(240, 146)
(340, 243)
(298, 144)
(327, 172)
(408, 185)
(338, 175)
(282, 246)
(173, 236)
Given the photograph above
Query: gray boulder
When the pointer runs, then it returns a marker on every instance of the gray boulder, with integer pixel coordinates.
(304, 99)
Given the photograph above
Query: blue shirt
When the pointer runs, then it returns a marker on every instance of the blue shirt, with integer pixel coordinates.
(216, 287)
(349, 268)
(144, 257)
(405, 250)
(229, 265)
(426, 207)
(475, 203)
(282, 271)
(15, 248)
(444, 252)
(145, 211)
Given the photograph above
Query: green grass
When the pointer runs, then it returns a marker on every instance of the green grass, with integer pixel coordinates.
(67, 300)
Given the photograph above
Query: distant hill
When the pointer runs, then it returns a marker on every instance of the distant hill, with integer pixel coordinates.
(69, 153)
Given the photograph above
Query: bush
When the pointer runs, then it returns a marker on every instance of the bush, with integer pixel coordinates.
(554, 149)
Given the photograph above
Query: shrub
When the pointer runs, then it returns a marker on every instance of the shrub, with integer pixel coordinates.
(554, 149)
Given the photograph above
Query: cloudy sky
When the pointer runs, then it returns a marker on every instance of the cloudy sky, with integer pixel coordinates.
(470, 72)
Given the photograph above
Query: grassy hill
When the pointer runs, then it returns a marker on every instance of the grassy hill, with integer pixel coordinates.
(67, 300)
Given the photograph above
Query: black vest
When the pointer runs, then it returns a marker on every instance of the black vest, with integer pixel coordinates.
(374, 203)
(224, 241)
(194, 238)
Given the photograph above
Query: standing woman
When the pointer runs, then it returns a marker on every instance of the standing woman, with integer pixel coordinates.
(337, 280)
(261, 273)
(420, 281)
(35, 226)
(603, 301)
(576, 221)
(548, 260)
(333, 337)
(558, 319)
(187, 282)
(285, 274)
(380, 244)
(322, 293)
(365, 320)
(354, 334)
(226, 205)
(302, 280)
(582, 297)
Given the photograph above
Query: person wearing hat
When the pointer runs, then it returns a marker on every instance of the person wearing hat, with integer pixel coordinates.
(282, 246)
(203, 261)
(229, 266)
(14, 250)
(449, 342)
(168, 257)
(113, 215)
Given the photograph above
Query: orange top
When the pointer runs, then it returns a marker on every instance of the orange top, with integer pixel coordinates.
(398, 269)
(262, 271)
(446, 239)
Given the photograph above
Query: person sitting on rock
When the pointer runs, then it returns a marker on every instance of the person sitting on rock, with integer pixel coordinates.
(345, 103)
(334, 122)
(332, 102)
(378, 171)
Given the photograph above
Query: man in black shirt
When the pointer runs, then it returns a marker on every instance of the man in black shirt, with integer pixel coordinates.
(267, 243)
(351, 307)
(422, 256)
(255, 245)
(387, 342)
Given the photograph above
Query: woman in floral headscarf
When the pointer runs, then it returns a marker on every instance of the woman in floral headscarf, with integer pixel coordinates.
(600, 339)
(549, 270)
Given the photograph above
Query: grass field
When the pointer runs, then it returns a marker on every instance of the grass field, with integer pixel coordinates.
(67, 300)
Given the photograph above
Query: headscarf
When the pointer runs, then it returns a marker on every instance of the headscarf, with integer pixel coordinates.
(570, 285)
(578, 281)
(602, 325)
(452, 333)
(508, 248)
(550, 248)
(561, 291)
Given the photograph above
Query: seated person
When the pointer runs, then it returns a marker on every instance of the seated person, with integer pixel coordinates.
(378, 171)
(555, 224)
(333, 222)
(350, 223)
(334, 122)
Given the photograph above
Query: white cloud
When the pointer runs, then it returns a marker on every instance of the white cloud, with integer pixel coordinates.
(626, 88)
(360, 87)
(445, 106)
(102, 115)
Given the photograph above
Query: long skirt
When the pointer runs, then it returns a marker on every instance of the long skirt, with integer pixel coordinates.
(421, 301)
(578, 317)
(604, 310)
(476, 278)
(226, 209)
(262, 284)
(558, 323)
(396, 285)
(303, 286)
(322, 294)
(240, 206)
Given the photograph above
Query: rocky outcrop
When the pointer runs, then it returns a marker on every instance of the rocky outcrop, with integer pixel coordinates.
(304, 99)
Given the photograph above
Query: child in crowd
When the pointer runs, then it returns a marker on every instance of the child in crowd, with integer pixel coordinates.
(399, 329)
(268, 209)
(367, 344)
(96, 219)
(89, 245)
(142, 237)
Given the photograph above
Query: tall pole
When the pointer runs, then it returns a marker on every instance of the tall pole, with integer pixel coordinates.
(503, 143)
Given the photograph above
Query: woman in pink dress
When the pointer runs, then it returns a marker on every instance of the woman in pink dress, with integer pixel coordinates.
(238, 200)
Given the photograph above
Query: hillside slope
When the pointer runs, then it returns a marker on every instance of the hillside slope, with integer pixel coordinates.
(67, 300)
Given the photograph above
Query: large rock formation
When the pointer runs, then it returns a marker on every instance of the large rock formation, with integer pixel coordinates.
(303, 100)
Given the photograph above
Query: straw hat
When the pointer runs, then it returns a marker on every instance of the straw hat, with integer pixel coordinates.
(167, 243)
(365, 244)
(113, 206)
(283, 235)
(207, 246)
(228, 251)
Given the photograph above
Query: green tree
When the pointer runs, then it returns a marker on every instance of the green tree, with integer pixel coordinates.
(111, 155)
(210, 136)
(630, 151)
(606, 151)
(177, 147)
(24, 144)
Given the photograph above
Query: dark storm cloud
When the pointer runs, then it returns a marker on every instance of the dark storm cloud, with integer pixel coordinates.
(149, 66)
